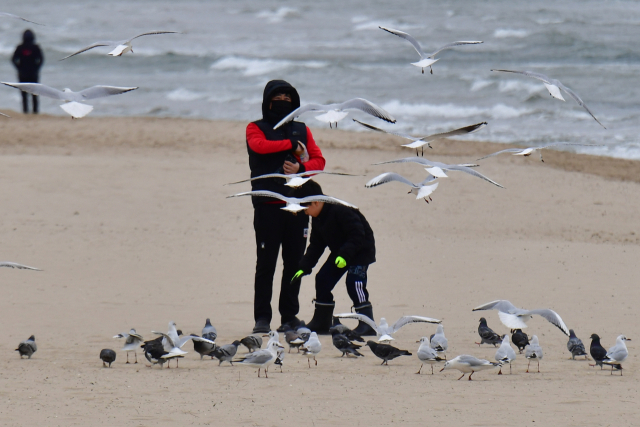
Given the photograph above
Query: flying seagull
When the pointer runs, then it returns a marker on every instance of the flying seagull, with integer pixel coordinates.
(516, 318)
(426, 59)
(294, 204)
(437, 168)
(16, 265)
(530, 150)
(4, 115)
(131, 343)
(10, 15)
(554, 86)
(118, 47)
(73, 106)
(421, 190)
(383, 330)
(468, 365)
(294, 180)
(421, 141)
(336, 112)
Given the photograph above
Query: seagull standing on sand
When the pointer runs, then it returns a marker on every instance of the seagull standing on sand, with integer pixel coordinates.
(617, 354)
(16, 265)
(311, 348)
(554, 86)
(118, 48)
(530, 150)
(27, 347)
(426, 59)
(505, 354)
(73, 106)
(513, 317)
(533, 352)
(487, 335)
(575, 346)
(336, 112)
(383, 330)
(131, 343)
(468, 365)
(172, 343)
(294, 204)
(261, 358)
(421, 190)
(427, 354)
(438, 341)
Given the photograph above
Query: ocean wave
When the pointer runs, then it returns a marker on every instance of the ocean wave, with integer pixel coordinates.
(502, 33)
(182, 94)
(480, 84)
(498, 111)
(278, 15)
(259, 66)
(519, 86)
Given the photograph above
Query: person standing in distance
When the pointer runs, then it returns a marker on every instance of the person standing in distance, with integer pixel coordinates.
(28, 60)
(270, 151)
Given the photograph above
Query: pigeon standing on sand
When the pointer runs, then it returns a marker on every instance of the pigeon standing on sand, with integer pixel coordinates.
(427, 354)
(575, 346)
(131, 343)
(226, 353)
(293, 339)
(107, 356)
(468, 365)
(598, 352)
(505, 354)
(27, 347)
(203, 348)
(153, 352)
(344, 344)
(209, 332)
(343, 330)
(311, 348)
(519, 339)
(533, 352)
(438, 341)
(173, 343)
(617, 354)
(252, 342)
(487, 336)
(386, 352)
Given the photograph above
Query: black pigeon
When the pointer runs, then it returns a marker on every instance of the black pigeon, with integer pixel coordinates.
(487, 335)
(27, 347)
(226, 352)
(575, 346)
(107, 356)
(208, 332)
(386, 352)
(346, 332)
(202, 347)
(598, 352)
(520, 339)
(252, 342)
(154, 350)
(344, 344)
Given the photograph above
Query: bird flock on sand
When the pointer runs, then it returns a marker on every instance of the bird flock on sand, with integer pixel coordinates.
(433, 349)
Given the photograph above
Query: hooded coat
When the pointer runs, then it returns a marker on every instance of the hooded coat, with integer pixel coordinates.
(28, 58)
(268, 148)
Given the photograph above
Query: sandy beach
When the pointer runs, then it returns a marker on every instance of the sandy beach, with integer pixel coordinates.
(128, 219)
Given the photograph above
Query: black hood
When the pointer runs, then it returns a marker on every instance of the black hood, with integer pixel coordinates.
(274, 87)
(28, 37)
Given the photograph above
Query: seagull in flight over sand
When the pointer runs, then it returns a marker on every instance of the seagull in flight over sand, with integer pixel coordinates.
(336, 112)
(554, 86)
(16, 265)
(421, 141)
(515, 318)
(294, 180)
(426, 59)
(73, 105)
(421, 190)
(294, 204)
(530, 150)
(10, 15)
(383, 330)
(437, 168)
(3, 114)
(118, 47)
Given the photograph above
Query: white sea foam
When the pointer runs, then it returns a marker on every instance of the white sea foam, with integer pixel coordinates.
(279, 14)
(520, 86)
(498, 111)
(502, 33)
(259, 66)
(182, 94)
(480, 84)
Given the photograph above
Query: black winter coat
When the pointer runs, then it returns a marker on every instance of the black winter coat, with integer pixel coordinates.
(347, 234)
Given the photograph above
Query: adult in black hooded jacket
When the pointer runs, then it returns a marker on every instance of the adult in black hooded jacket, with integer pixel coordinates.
(28, 59)
(272, 151)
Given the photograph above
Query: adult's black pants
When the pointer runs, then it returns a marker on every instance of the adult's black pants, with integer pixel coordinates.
(329, 275)
(275, 227)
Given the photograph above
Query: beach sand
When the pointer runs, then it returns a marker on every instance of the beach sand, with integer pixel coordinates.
(128, 219)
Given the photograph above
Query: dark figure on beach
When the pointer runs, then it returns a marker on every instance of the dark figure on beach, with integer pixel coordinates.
(281, 150)
(28, 60)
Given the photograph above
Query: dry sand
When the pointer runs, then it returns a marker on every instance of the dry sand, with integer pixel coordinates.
(128, 219)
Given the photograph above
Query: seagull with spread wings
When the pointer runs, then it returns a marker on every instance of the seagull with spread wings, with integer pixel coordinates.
(173, 343)
(120, 47)
(515, 318)
(294, 180)
(530, 150)
(294, 204)
(10, 15)
(383, 329)
(16, 265)
(421, 190)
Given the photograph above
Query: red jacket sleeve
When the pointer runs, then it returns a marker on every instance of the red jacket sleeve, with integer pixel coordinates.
(316, 162)
(259, 144)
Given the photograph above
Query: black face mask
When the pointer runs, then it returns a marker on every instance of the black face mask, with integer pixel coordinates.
(280, 109)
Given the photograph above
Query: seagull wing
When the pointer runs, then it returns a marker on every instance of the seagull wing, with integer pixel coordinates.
(10, 15)
(461, 131)
(300, 111)
(578, 100)
(151, 33)
(472, 172)
(183, 339)
(40, 90)
(3, 114)
(360, 317)
(368, 107)
(325, 199)
(16, 265)
(405, 320)
(102, 91)
(91, 46)
(408, 38)
(538, 76)
(420, 160)
(400, 134)
(167, 337)
(508, 150)
(388, 177)
(552, 317)
(500, 305)
(265, 193)
(451, 45)
(269, 175)
(259, 357)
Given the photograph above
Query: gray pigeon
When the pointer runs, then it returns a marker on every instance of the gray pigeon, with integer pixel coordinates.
(252, 342)
(27, 347)
(209, 332)
(293, 339)
(203, 348)
(575, 346)
(487, 336)
(107, 356)
(226, 352)
(386, 352)
(341, 329)
(344, 344)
